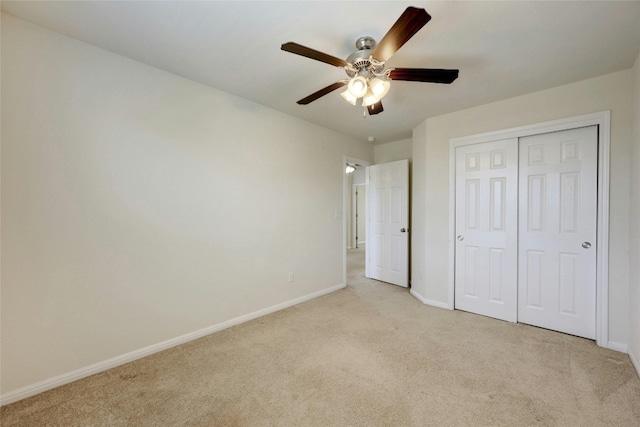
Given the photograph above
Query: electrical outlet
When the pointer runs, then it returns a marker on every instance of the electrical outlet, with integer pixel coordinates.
(290, 279)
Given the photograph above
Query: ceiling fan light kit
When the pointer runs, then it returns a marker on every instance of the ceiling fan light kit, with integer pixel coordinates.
(369, 98)
(357, 86)
(348, 96)
(368, 77)
(379, 86)
(351, 167)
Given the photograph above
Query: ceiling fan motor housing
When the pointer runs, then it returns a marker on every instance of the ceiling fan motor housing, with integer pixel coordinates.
(360, 61)
(365, 42)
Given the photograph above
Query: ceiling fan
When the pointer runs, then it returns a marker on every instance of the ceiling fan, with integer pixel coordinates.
(368, 77)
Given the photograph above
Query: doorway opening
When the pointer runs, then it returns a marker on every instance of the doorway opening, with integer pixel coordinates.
(355, 214)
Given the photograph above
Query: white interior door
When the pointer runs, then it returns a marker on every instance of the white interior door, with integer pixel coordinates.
(557, 232)
(486, 229)
(388, 231)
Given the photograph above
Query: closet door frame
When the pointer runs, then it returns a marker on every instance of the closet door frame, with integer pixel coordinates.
(603, 121)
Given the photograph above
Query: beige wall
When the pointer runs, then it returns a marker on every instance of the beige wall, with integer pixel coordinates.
(431, 178)
(138, 206)
(634, 247)
(419, 200)
(392, 151)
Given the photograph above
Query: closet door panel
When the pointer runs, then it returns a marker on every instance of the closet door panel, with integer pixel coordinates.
(486, 229)
(557, 231)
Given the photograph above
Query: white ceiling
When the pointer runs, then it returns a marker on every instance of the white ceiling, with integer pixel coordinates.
(503, 49)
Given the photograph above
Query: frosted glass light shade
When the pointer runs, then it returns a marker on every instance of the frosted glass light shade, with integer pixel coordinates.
(357, 86)
(370, 98)
(379, 87)
(349, 97)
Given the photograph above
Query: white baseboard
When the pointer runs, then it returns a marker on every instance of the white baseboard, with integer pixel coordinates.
(428, 301)
(42, 386)
(612, 345)
(635, 360)
(417, 296)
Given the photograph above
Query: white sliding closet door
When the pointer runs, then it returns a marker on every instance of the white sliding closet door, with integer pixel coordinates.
(557, 232)
(486, 229)
(526, 226)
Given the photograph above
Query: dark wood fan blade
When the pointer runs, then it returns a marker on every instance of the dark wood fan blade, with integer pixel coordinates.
(321, 92)
(409, 23)
(375, 108)
(430, 75)
(298, 49)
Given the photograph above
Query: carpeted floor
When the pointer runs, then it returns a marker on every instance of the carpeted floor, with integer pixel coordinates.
(368, 355)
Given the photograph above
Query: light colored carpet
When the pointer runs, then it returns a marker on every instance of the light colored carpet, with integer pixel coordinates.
(368, 355)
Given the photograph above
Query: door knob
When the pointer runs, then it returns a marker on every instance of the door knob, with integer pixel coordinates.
(403, 230)
(586, 245)
(460, 237)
